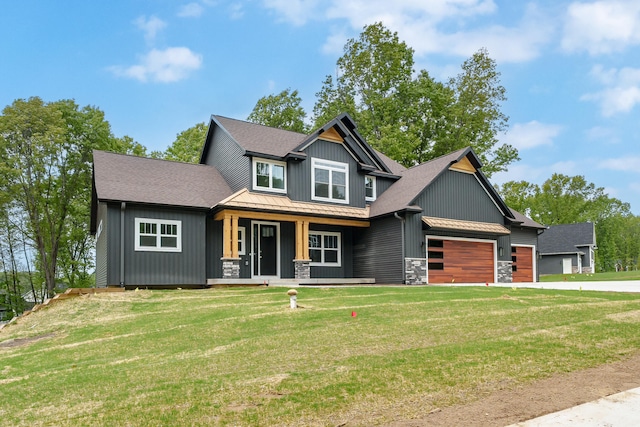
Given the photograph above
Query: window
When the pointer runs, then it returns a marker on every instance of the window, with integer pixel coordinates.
(329, 181)
(241, 241)
(324, 248)
(370, 188)
(269, 175)
(161, 235)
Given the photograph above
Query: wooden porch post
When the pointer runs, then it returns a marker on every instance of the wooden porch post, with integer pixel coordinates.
(226, 236)
(234, 236)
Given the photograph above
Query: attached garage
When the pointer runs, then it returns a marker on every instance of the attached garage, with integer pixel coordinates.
(522, 263)
(460, 260)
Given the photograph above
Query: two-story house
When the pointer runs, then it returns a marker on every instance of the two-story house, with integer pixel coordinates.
(267, 205)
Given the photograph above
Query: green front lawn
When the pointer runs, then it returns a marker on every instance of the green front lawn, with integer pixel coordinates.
(362, 355)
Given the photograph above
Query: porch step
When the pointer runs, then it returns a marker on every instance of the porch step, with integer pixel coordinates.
(292, 283)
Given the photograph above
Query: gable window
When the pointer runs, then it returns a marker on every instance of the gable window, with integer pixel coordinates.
(269, 175)
(159, 235)
(324, 248)
(370, 188)
(329, 181)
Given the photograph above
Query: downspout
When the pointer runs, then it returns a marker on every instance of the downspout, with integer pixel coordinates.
(404, 268)
(123, 206)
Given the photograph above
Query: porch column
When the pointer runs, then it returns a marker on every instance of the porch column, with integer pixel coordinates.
(230, 258)
(302, 267)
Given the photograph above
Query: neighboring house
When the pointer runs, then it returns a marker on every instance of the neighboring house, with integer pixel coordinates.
(568, 249)
(269, 205)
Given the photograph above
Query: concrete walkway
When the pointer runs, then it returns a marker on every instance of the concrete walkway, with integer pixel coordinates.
(617, 410)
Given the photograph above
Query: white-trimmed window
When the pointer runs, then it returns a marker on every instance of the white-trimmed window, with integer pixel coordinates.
(242, 248)
(159, 235)
(369, 188)
(329, 181)
(269, 175)
(325, 248)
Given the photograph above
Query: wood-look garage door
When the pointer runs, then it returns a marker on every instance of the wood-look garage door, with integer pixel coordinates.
(522, 266)
(460, 261)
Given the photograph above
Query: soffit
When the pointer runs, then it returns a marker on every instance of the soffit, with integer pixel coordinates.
(461, 225)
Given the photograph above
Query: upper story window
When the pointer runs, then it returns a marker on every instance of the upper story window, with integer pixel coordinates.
(159, 235)
(370, 188)
(269, 175)
(329, 181)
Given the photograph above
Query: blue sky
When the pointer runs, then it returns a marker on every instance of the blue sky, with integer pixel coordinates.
(156, 68)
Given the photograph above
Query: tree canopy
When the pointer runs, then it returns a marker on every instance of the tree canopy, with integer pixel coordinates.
(281, 111)
(562, 199)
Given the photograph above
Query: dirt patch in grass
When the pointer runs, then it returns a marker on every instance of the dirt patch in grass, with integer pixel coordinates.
(18, 342)
(524, 402)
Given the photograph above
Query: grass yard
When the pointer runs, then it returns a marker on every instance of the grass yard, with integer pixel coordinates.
(595, 277)
(242, 357)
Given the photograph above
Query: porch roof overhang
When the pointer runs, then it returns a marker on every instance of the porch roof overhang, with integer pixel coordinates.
(273, 207)
(461, 225)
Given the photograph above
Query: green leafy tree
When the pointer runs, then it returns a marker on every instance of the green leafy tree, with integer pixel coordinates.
(45, 152)
(283, 111)
(415, 119)
(188, 145)
(562, 199)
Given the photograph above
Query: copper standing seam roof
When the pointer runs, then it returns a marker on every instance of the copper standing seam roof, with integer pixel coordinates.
(457, 224)
(248, 200)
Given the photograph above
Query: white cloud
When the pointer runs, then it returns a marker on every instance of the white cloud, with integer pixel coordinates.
(297, 12)
(532, 134)
(599, 133)
(236, 10)
(624, 164)
(162, 66)
(150, 26)
(436, 26)
(621, 92)
(601, 27)
(191, 10)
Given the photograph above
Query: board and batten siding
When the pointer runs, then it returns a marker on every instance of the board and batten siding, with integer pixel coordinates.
(459, 195)
(101, 246)
(299, 172)
(229, 159)
(377, 251)
(144, 268)
(346, 262)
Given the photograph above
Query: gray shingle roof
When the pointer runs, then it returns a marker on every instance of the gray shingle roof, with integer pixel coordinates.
(566, 238)
(261, 139)
(402, 193)
(126, 178)
(526, 221)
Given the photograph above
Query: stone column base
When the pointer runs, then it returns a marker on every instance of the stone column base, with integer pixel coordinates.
(505, 272)
(302, 268)
(415, 271)
(230, 268)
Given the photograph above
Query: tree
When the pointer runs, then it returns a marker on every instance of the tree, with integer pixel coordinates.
(281, 111)
(562, 199)
(46, 164)
(415, 119)
(188, 145)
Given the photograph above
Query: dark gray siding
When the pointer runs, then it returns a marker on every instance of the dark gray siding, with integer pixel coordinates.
(459, 195)
(299, 172)
(143, 268)
(346, 264)
(504, 242)
(214, 249)
(382, 184)
(287, 249)
(524, 236)
(414, 236)
(101, 246)
(377, 251)
(552, 264)
(227, 156)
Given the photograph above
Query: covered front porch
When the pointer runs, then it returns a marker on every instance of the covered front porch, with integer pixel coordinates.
(270, 240)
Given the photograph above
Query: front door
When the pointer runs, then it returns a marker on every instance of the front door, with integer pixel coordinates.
(265, 244)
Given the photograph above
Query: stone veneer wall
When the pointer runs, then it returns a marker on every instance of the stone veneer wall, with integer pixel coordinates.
(505, 272)
(302, 269)
(230, 268)
(415, 271)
